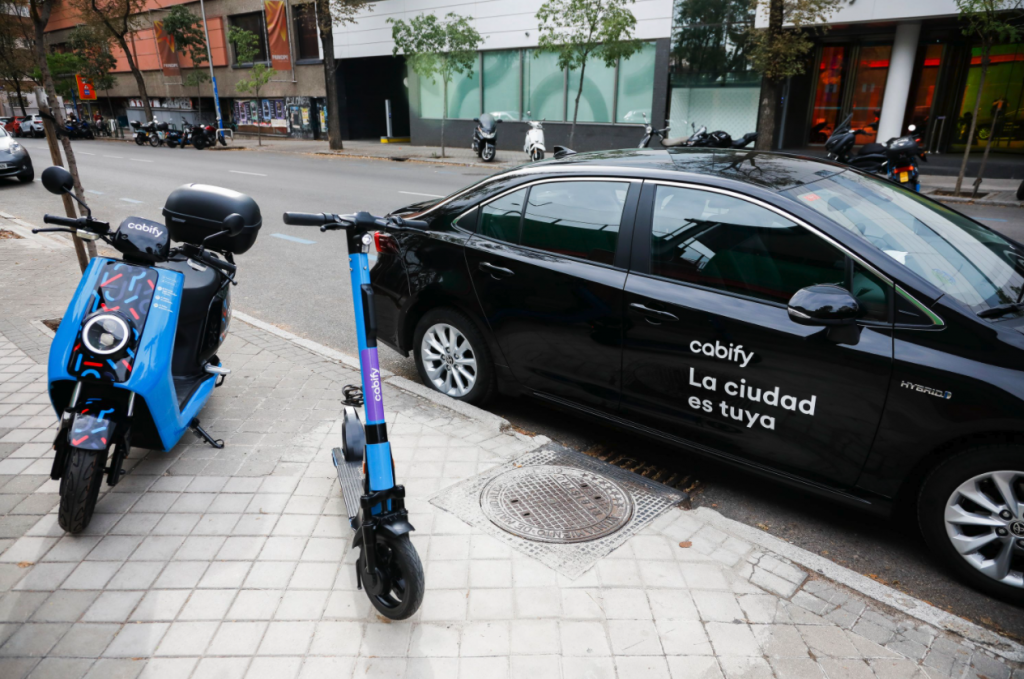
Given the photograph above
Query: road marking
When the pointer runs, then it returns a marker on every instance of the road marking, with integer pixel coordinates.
(83, 153)
(129, 200)
(118, 157)
(98, 193)
(991, 219)
(293, 238)
(254, 174)
(428, 195)
(140, 160)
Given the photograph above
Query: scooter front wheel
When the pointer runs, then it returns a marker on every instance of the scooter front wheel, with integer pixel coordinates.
(538, 155)
(140, 141)
(79, 488)
(487, 153)
(155, 141)
(397, 590)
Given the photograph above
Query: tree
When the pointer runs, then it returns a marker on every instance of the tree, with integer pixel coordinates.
(710, 38)
(120, 19)
(186, 30)
(988, 22)
(64, 66)
(329, 13)
(96, 61)
(246, 50)
(15, 49)
(437, 48)
(779, 51)
(577, 30)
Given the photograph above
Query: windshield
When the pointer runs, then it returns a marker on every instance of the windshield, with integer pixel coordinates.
(960, 257)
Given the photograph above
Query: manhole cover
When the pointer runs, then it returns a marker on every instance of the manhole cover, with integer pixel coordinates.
(556, 504)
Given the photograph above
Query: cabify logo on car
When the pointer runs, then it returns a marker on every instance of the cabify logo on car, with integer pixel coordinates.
(926, 390)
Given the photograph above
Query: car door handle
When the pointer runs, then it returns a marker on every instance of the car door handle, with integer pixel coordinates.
(496, 271)
(654, 314)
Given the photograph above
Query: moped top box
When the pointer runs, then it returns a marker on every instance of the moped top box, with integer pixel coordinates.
(195, 211)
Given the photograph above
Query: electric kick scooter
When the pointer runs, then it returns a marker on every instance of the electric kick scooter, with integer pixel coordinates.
(388, 567)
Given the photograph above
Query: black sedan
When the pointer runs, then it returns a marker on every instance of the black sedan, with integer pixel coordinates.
(817, 324)
(14, 158)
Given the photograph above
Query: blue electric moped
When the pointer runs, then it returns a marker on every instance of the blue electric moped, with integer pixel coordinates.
(135, 357)
(390, 572)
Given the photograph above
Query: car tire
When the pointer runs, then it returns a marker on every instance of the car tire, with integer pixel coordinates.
(447, 326)
(27, 177)
(964, 492)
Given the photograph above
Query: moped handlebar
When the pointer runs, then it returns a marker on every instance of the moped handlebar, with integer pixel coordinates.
(62, 221)
(363, 221)
(216, 263)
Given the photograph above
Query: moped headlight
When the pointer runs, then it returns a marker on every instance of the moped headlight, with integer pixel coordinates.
(105, 334)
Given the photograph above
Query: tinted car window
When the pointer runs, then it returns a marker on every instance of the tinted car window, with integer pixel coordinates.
(578, 219)
(500, 218)
(723, 242)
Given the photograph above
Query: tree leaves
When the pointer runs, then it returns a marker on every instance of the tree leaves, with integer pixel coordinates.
(437, 47)
(777, 52)
(577, 30)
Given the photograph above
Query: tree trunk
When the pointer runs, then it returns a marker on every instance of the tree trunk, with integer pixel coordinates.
(576, 108)
(974, 123)
(984, 156)
(139, 80)
(770, 92)
(259, 119)
(444, 114)
(325, 24)
(21, 98)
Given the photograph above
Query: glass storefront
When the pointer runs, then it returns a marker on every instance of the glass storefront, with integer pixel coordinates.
(1001, 92)
(712, 82)
(868, 89)
(922, 95)
(828, 95)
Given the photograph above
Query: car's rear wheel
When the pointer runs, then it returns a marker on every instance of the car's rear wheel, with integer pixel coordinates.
(27, 177)
(971, 511)
(452, 356)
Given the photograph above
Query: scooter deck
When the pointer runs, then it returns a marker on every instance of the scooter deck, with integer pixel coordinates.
(350, 476)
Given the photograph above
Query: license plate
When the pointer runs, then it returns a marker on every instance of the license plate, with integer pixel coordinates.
(3, 166)
(904, 177)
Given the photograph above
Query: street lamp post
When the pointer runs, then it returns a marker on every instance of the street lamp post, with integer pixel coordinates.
(209, 60)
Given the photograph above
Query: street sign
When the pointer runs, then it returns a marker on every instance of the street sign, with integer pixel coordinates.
(86, 92)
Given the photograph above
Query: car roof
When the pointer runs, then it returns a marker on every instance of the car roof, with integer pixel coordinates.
(768, 170)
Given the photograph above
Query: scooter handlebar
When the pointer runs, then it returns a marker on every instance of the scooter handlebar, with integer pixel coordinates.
(308, 218)
(62, 221)
(215, 262)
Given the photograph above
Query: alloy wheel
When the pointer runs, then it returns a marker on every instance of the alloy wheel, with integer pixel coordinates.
(449, 360)
(984, 520)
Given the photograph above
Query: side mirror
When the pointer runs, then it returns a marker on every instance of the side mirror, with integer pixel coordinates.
(499, 120)
(476, 120)
(823, 305)
(58, 180)
(234, 223)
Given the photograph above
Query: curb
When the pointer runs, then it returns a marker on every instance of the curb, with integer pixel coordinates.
(979, 201)
(501, 165)
(906, 604)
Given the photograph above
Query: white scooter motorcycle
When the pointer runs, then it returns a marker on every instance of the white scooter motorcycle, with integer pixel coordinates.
(534, 146)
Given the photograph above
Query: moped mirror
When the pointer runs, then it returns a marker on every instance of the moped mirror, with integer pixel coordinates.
(58, 180)
(823, 305)
(476, 120)
(498, 120)
(234, 223)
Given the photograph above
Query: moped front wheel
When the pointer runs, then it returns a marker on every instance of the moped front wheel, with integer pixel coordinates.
(155, 141)
(487, 153)
(79, 488)
(397, 590)
(140, 141)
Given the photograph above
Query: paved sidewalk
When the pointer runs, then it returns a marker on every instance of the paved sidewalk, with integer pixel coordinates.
(234, 563)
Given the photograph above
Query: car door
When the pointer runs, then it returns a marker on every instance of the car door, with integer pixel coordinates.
(711, 355)
(548, 263)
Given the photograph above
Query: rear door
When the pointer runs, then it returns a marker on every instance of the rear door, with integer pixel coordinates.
(548, 263)
(711, 355)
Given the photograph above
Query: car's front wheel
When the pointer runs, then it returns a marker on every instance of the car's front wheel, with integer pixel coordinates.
(971, 510)
(27, 176)
(452, 356)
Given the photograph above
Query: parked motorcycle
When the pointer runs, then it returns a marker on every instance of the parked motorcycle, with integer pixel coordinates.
(485, 136)
(650, 132)
(902, 156)
(173, 138)
(897, 159)
(207, 135)
(146, 133)
(719, 139)
(534, 146)
(135, 357)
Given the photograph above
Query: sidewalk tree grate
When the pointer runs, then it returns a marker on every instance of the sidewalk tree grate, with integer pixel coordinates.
(550, 503)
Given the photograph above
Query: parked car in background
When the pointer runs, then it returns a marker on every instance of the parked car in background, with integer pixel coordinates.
(799, 318)
(12, 125)
(14, 159)
(32, 126)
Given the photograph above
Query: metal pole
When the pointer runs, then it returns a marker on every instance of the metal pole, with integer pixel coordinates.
(387, 110)
(209, 60)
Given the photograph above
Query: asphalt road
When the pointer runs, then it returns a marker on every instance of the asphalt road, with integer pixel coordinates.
(286, 279)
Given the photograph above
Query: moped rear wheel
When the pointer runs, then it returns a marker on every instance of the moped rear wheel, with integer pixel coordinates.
(79, 488)
(140, 141)
(400, 574)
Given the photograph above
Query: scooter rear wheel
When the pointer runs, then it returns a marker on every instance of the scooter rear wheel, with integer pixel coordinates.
(401, 572)
(140, 141)
(79, 488)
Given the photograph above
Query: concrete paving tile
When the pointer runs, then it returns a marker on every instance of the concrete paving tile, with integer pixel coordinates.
(221, 668)
(333, 638)
(342, 667)
(385, 640)
(827, 641)
(237, 638)
(278, 548)
(253, 604)
(116, 668)
(736, 667)
(224, 574)
(585, 639)
(61, 668)
(314, 575)
(86, 640)
(274, 668)
(207, 604)
(91, 575)
(114, 548)
(187, 639)
(683, 637)
(654, 667)
(302, 605)
(27, 549)
(135, 575)
(199, 548)
(732, 639)
(537, 602)
(634, 637)
(34, 639)
(535, 666)
(112, 607)
(20, 606)
(64, 606)
(160, 605)
(158, 548)
(625, 604)
(588, 668)
(469, 668)
(137, 640)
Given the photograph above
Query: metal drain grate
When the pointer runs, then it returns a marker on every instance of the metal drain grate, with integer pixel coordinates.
(556, 504)
(571, 559)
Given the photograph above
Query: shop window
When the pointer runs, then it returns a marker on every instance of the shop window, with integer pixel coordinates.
(923, 94)
(307, 38)
(501, 84)
(463, 96)
(544, 86)
(828, 94)
(868, 90)
(636, 86)
(254, 23)
(597, 99)
(1003, 91)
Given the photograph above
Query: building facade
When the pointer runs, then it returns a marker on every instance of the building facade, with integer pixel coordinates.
(291, 104)
(511, 80)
